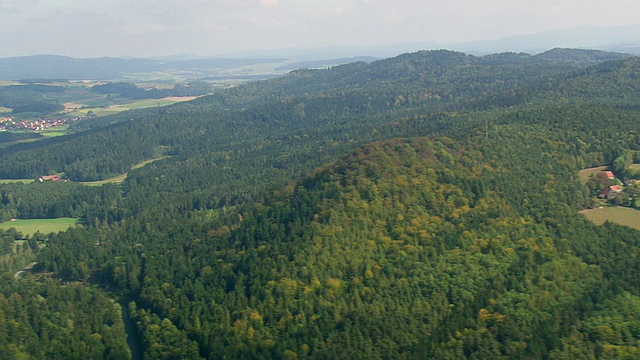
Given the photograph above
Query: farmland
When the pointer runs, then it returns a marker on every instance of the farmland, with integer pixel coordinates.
(82, 108)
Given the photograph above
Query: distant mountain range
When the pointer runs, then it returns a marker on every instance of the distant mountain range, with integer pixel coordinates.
(107, 68)
(624, 39)
(619, 39)
(609, 40)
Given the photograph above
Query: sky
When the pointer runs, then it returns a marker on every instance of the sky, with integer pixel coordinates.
(83, 28)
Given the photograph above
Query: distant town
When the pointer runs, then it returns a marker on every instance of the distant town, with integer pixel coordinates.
(9, 123)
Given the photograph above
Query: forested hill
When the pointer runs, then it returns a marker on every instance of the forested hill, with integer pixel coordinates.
(359, 96)
(420, 206)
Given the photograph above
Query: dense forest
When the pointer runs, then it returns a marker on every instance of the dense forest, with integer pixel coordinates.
(31, 98)
(424, 206)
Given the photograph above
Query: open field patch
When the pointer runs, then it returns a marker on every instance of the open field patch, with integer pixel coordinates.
(181, 98)
(635, 167)
(114, 180)
(70, 106)
(120, 178)
(585, 174)
(82, 108)
(54, 131)
(45, 226)
(146, 103)
(16, 181)
(619, 215)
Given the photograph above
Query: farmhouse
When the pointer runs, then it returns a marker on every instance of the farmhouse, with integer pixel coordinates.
(609, 174)
(610, 192)
(49, 178)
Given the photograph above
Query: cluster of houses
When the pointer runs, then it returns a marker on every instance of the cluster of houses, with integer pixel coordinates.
(9, 123)
(611, 191)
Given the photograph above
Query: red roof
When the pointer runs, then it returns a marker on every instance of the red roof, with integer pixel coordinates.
(50, 177)
(610, 174)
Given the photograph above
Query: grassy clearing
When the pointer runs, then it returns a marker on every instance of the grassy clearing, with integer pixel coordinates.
(120, 178)
(45, 226)
(54, 131)
(635, 167)
(619, 215)
(16, 181)
(114, 180)
(585, 174)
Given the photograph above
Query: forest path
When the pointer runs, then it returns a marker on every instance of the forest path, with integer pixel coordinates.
(130, 328)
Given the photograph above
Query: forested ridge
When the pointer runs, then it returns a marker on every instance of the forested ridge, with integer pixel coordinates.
(423, 206)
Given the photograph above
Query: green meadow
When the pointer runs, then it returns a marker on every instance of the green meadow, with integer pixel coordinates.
(619, 215)
(45, 226)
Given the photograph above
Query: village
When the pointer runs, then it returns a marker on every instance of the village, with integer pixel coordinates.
(9, 123)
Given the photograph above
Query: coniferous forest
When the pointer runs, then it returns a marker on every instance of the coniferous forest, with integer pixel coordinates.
(422, 206)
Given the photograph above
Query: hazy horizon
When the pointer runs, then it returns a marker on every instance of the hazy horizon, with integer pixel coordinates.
(227, 27)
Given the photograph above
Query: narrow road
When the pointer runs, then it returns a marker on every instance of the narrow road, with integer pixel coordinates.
(130, 329)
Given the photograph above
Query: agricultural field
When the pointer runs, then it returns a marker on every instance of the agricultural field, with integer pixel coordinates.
(80, 109)
(619, 215)
(45, 226)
